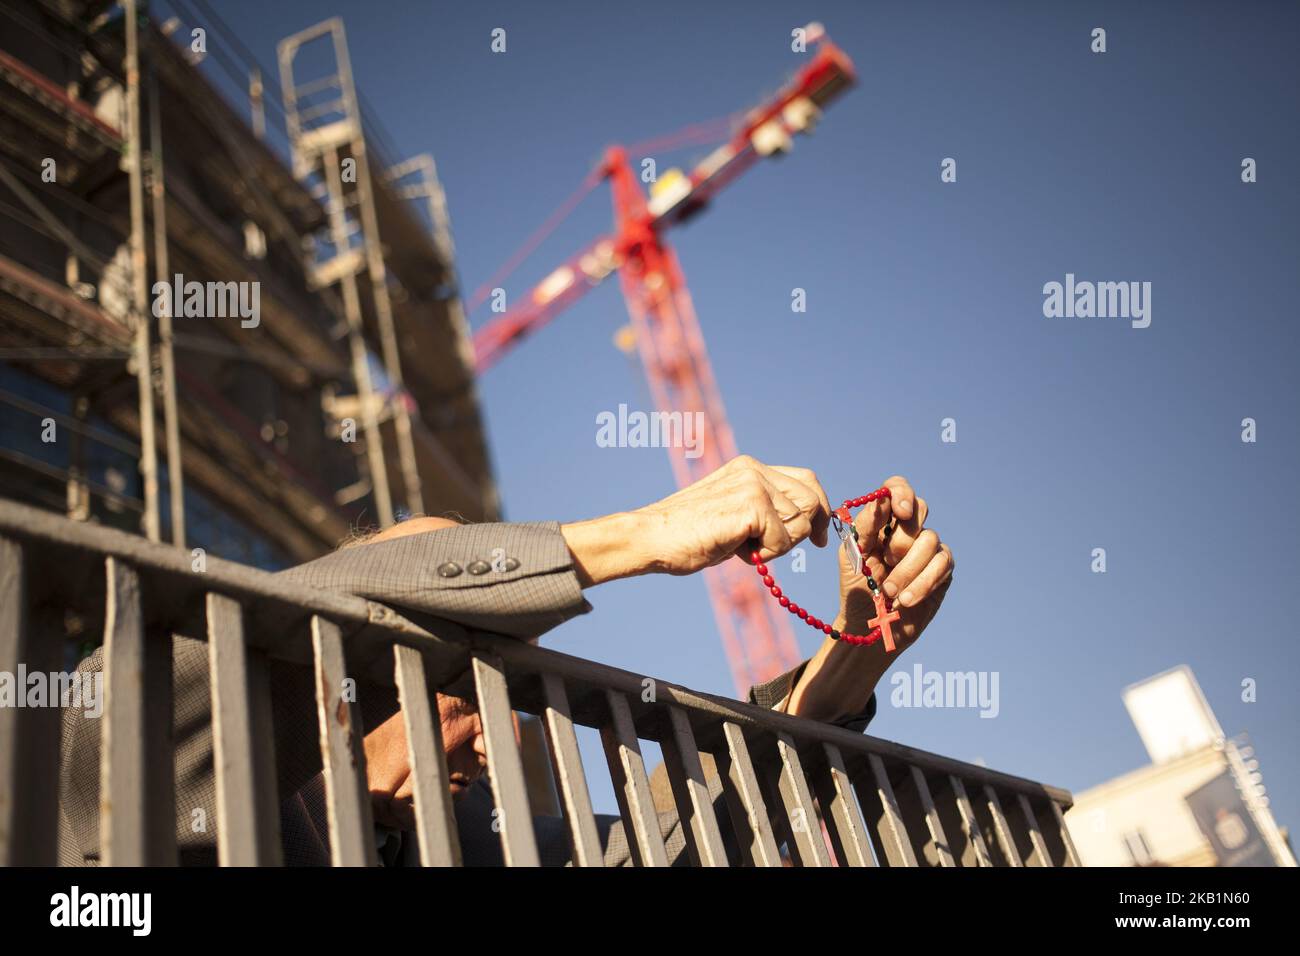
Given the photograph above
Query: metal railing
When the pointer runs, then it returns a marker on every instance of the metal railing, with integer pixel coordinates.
(824, 794)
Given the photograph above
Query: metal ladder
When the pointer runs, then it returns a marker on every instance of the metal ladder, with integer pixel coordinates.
(324, 125)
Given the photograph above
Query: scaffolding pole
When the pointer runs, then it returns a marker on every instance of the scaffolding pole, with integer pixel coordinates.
(139, 279)
(357, 344)
(166, 353)
(387, 333)
(78, 485)
(256, 107)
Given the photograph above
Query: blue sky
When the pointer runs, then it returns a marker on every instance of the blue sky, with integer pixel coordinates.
(925, 302)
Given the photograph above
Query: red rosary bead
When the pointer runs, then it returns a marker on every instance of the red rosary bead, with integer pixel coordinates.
(861, 640)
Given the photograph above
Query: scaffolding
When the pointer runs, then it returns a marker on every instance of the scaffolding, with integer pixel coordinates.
(350, 278)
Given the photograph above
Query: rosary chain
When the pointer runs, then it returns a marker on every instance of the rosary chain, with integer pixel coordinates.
(841, 514)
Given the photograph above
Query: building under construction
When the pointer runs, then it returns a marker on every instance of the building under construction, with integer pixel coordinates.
(127, 160)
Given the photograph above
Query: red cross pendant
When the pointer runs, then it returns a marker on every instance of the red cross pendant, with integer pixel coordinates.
(882, 620)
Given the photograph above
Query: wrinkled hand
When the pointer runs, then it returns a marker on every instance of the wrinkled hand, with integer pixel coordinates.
(913, 567)
(743, 505)
(388, 775)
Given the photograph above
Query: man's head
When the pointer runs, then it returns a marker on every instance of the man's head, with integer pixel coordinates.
(462, 739)
(388, 767)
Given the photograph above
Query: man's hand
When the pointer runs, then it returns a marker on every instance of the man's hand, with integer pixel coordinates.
(914, 569)
(911, 564)
(743, 506)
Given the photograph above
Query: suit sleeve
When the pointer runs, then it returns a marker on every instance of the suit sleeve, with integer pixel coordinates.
(770, 694)
(514, 579)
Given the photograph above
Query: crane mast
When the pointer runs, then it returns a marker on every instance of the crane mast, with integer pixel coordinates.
(755, 632)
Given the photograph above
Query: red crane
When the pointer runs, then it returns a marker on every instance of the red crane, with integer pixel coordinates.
(755, 632)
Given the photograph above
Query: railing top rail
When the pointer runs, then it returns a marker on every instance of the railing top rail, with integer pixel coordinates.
(281, 611)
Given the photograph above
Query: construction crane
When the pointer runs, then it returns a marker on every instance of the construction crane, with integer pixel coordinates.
(756, 634)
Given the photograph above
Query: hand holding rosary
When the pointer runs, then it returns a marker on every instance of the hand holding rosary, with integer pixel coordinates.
(848, 533)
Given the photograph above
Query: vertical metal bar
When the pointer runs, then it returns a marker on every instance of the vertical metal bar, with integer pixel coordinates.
(139, 280)
(769, 780)
(14, 638)
(1000, 827)
(265, 771)
(793, 787)
(840, 810)
(347, 796)
(938, 844)
(347, 88)
(745, 802)
(435, 821)
(1039, 857)
(1071, 854)
(505, 767)
(123, 818)
(29, 737)
(569, 776)
(890, 830)
(285, 52)
(691, 792)
(978, 850)
(1049, 829)
(166, 353)
(248, 814)
(632, 788)
(159, 749)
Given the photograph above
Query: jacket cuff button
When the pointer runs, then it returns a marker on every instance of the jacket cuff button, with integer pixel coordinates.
(479, 567)
(448, 570)
(511, 564)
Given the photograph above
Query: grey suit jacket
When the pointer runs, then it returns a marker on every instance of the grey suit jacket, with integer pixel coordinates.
(540, 592)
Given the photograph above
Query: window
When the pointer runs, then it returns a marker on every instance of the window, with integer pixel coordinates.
(1138, 850)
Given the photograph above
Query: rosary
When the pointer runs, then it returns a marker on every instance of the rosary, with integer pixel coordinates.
(885, 614)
